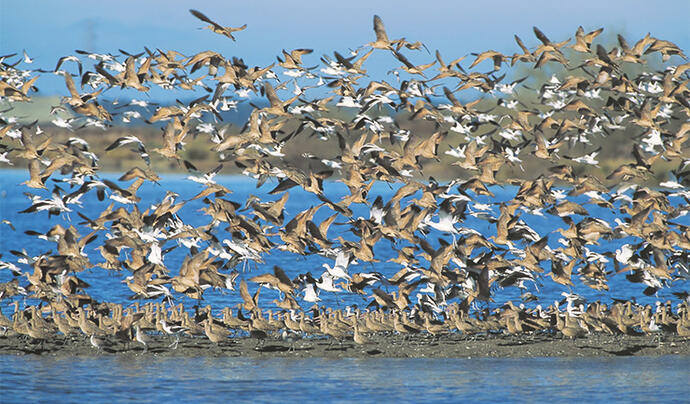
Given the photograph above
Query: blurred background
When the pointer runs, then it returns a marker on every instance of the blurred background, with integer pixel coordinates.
(49, 30)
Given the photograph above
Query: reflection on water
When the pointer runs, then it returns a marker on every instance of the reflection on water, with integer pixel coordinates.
(147, 379)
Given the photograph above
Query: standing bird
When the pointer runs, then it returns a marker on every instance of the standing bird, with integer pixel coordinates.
(141, 337)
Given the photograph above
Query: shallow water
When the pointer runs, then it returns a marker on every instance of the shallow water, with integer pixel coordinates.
(150, 379)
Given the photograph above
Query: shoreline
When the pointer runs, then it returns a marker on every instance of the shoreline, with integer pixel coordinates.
(381, 346)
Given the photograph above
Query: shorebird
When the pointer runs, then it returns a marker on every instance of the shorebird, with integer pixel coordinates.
(402, 328)
(214, 333)
(556, 129)
(38, 331)
(561, 272)
(251, 303)
(290, 337)
(497, 58)
(683, 324)
(141, 337)
(276, 105)
(5, 322)
(583, 42)
(60, 322)
(215, 27)
(307, 327)
(293, 59)
(257, 333)
(173, 329)
(435, 329)
(333, 330)
(36, 179)
(278, 280)
(358, 337)
(97, 342)
(409, 67)
(86, 325)
(382, 41)
(339, 269)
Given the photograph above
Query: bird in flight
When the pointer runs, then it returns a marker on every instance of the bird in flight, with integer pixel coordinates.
(215, 27)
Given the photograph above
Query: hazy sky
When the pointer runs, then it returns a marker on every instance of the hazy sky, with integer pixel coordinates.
(50, 29)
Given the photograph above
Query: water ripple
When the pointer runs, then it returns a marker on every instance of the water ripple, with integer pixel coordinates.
(205, 379)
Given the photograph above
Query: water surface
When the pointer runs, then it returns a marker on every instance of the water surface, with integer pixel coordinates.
(207, 379)
(107, 286)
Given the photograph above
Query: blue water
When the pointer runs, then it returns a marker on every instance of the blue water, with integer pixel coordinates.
(106, 285)
(151, 379)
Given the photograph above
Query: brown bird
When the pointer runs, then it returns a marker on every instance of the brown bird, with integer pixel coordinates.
(36, 179)
(382, 41)
(215, 27)
(561, 273)
(525, 56)
(214, 332)
(277, 280)
(277, 106)
(293, 60)
(251, 303)
(411, 68)
(547, 45)
(497, 57)
(583, 41)
(358, 337)
(570, 327)
(446, 70)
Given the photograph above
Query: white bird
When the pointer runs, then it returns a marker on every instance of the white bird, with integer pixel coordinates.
(155, 256)
(376, 212)
(588, 159)
(55, 206)
(446, 219)
(63, 123)
(11, 267)
(310, 294)
(326, 283)
(339, 270)
(457, 152)
(672, 183)
(512, 156)
(511, 134)
(172, 329)
(202, 178)
(96, 342)
(624, 253)
(27, 59)
(142, 338)
(4, 159)
(348, 102)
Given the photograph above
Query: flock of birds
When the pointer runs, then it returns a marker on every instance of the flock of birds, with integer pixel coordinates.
(444, 284)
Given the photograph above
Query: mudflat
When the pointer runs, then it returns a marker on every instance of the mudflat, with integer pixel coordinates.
(383, 346)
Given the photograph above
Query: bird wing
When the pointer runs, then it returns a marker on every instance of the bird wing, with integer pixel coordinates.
(272, 96)
(248, 300)
(203, 18)
(379, 29)
(282, 277)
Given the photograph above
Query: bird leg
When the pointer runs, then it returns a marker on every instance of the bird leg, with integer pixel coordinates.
(174, 344)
